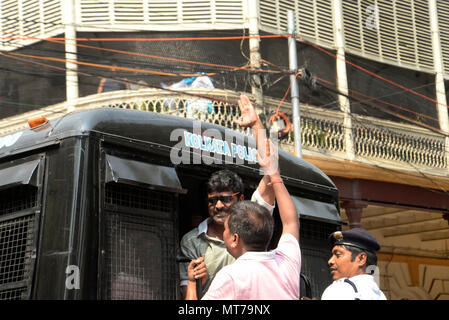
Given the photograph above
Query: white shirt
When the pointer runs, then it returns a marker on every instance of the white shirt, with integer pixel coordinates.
(366, 286)
(272, 275)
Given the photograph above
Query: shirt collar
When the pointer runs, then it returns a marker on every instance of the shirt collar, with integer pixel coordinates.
(255, 255)
(363, 277)
(202, 227)
(357, 277)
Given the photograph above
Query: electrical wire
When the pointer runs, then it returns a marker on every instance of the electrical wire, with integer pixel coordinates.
(159, 73)
(369, 99)
(222, 38)
(178, 60)
(233, 103)
(233, 68)
(221, 66)
(384, 96)
(371, 73)
(233, 38)
(414, 167)
(171, 74)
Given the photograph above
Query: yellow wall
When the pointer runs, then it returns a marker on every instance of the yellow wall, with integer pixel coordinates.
(415, 278)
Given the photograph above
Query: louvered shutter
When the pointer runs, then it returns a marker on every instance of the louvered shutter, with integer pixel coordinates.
(28, 19)
(443, 21)
(313, 19)
(151, 14)
(9, 20)
(396, 32)
(163, 12)
(228, 11)
(95, 12)
(50, 17)
(128, 11)
(196, 11)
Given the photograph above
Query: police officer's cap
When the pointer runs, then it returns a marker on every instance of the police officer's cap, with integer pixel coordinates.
(355, 237)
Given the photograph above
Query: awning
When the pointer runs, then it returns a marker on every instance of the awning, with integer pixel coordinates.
(317, 210)
(131, 171)
(19, 174)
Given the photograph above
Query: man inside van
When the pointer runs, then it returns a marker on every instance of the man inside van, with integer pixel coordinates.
(224, 188)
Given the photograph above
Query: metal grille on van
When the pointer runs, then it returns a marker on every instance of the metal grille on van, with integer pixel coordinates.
(17, 199)
(315, 253)
(139, 244)
(16, 240)
(118, 194)
(316, 230)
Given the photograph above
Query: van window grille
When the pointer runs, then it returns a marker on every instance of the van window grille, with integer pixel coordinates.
(316, 230)
(13, 294)
(315, 253)
(15, 236)
(17, 199)
(138, 258)
(118, 194)
(138, 249)
(314, 264)
(16, 240)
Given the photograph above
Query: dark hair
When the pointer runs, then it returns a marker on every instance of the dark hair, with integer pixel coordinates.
(225, 180)
(253, 223)
(371, 257)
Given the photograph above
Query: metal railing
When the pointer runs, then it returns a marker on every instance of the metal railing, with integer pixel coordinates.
(376, 141)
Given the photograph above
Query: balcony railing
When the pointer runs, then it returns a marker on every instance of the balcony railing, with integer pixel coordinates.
(377, 142)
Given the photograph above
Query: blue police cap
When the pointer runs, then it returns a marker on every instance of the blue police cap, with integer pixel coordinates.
(356, 237)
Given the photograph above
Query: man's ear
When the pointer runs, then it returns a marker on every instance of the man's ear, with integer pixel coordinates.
(361, 258)
(235, 240)
(242, 197)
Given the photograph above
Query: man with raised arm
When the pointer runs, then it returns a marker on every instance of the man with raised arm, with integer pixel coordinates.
(224, 188)
(256, 274)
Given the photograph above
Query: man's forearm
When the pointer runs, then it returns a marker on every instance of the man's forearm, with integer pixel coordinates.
(266, 191)
(191, 291)
(287, 210)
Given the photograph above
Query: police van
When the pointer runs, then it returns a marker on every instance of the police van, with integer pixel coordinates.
(93, 204)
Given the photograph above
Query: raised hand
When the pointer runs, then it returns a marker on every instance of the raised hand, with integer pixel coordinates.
(249, 115)
(197, 270)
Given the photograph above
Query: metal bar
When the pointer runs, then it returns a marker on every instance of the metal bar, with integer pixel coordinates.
(293, 63)
(342, 80)
(254, 44)
(439, 75)
(72, 91)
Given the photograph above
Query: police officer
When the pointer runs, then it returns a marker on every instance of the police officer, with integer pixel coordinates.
(353, 259)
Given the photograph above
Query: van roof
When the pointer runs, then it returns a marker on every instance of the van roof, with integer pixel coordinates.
(148, 127)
